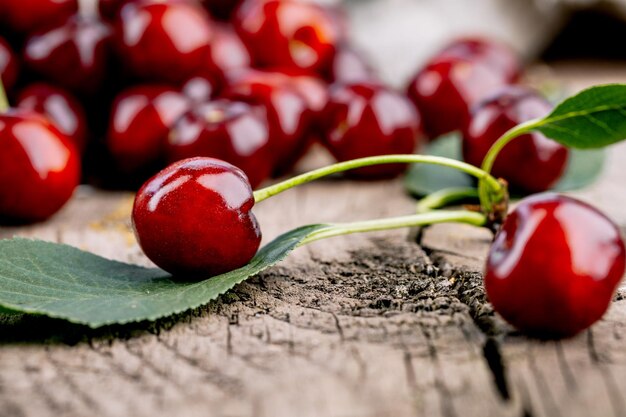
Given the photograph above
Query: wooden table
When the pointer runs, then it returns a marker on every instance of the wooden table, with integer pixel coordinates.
(385, 324)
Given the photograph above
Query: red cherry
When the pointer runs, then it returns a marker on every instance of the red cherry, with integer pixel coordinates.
(39, 167)
(367, 120)
(163, 41)
(445, 90)
(221, 9)
(200, 89)
(554, 266)
(349, 67)
(194, 219)
(8, 65)
(60, 107)
(28, 16)
(532, 162)
(140, 122)
(291, 34)
(232, 131)
(495, 55)
(73, 55)
(287, 110)
(227, 52)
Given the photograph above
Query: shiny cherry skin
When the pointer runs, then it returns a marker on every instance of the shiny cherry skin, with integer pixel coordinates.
(232, 131)
(554, 266)
(289, 33)
(530, 163)
(140, 121)
(8, 65)
(39, 167)
(227, 52)
(28, 16)
(165, 42)
(446, 89)
(349, 66)
(288, 110)
(495, 55)
(194, 219)
(200, 88)
(73, 55)
(63, 110)
(221, 9)
(368, 119)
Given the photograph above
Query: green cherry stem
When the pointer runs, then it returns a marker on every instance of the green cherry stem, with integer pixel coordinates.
(4, 101)
(445, 197)
(422, 219)
(278, 188)
(495, 149)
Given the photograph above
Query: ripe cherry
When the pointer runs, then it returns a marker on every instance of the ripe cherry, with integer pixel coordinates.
(63, 110)
(232, 131)
(8, 65)
(200, 88)
(554, 266)
(366, 120)
(497, 56)
(447, 88)
(227, 52)
(288, 110)
(141, 118)
(163, 41)
(530, 163)
(194, 218)
(349, 66)
(73, 55)
(289, 33)
(27, 16)
(39, 167)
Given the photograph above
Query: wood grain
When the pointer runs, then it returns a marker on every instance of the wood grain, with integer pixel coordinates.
(384, 324)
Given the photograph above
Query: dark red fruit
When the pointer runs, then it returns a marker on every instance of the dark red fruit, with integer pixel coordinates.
(194, 219)
(288, 110)
(289, 33)
(109, 9)
(366, 120)
(227, 53)
(232, 131)
(73, 55)
(60, 107)
(495, 55)
(446, 89)
(39, 167)
(221, 9)
(349, 67)
(200, 89)
(163, 41)
(530, 163)
(140, 122)
(554, 266)
(28, 16)
(8, 65)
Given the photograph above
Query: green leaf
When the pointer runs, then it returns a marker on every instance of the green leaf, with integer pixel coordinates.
(593, 118)
(64, 282)
(583, 168)
(424, 179)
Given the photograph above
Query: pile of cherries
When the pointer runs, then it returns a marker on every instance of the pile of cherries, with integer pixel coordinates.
(233, 92)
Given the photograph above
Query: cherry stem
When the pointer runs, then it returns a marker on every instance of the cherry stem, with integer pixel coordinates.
(4, 101)
(278, 188)
(422, 219)
(445, 197)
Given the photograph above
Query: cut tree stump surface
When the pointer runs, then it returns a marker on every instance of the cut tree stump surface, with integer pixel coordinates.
(384, 324)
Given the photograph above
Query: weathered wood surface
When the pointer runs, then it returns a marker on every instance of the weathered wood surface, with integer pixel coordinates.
(369, 325)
